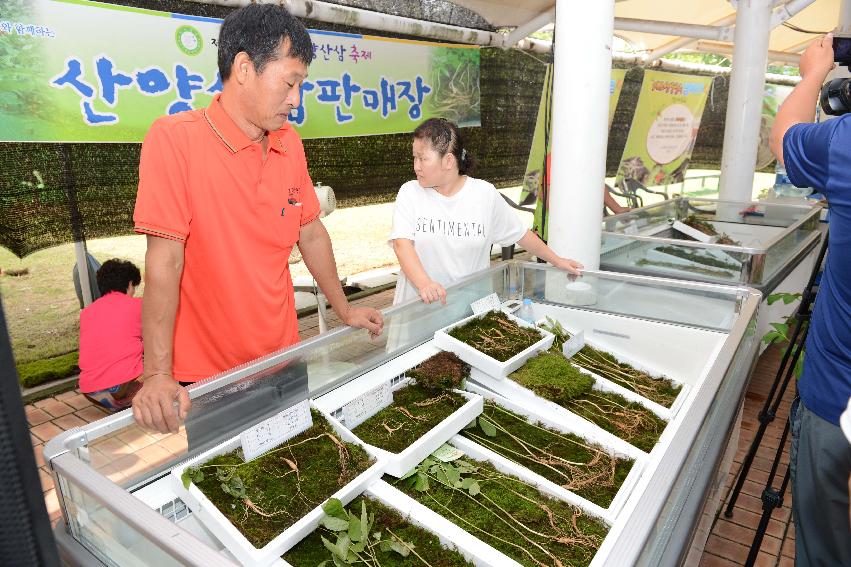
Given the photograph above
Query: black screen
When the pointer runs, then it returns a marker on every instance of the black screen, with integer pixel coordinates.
(842, 49)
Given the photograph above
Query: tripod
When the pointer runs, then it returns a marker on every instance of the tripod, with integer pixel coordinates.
(773, 498)
(782, 379)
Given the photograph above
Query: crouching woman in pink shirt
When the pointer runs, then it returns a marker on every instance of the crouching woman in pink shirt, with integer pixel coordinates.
(111, 338)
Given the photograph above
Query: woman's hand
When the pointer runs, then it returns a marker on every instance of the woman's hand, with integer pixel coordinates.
(570, 266)
(433, 291)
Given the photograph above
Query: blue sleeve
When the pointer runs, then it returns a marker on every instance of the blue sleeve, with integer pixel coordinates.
(806, 153)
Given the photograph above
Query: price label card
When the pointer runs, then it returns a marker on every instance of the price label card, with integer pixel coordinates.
(272, 432)
(447, 453)
(485, 304)
(367, 405)
(631, 228)
(573, 345)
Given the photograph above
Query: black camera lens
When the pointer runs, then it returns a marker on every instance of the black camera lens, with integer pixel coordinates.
(835, 97)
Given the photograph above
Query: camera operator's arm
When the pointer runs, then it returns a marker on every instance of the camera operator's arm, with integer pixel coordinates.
(800, 105)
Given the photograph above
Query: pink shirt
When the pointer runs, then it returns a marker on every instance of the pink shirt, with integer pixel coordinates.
(110, 342)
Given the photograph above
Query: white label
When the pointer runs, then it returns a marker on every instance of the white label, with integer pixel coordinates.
(447, 453)
(271, 432)
(367, 405)
(573, 345)
(631, 228)
(485, 304)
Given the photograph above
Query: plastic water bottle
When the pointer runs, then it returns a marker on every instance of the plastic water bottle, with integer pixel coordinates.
(782, 186)
(526, 312)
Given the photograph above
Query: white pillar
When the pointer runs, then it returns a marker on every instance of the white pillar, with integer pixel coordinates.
(83, 272)
(580, 127)
(744, 102)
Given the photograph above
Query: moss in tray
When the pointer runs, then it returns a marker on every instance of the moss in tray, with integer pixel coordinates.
(418, 407)
(505, 512)
(496, 335)
(552, 377)
(264, 497)
(660, 390)
(415, 545)
(565, 459)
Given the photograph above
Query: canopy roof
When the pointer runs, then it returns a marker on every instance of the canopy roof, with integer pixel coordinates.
(820, 16)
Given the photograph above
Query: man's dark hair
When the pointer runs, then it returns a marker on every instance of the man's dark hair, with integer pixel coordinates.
(116, 275)
(258, 30)
(445, 137)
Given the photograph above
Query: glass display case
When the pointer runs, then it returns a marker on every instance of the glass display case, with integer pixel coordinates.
(119, 502)
(756, 243)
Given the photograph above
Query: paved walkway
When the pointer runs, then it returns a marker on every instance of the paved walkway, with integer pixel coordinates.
(727, 545)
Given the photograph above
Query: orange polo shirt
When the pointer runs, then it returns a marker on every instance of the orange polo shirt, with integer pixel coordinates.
(203, 182)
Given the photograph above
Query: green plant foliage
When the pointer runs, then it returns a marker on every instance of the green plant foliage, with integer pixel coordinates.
(563, 458)
(370, 534)
(660, 390)
(552, 377)
(495, 335)
(505, 512)
(414, 412)
(40, 371)
(265, 496)
(781, 332)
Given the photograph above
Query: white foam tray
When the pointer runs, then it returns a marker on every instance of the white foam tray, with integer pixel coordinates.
(554, 412)
(400, 463)
(587, 431)
(236, 543)
(694, 233)
(450, 535)
(483, 362)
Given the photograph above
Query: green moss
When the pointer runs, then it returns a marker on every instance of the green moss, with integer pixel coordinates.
(565, 459)
(393, 429)
(552, 377)
(660, 390)
(497, 336)
(284, 484)
(515, 518)
(40, 371)
(311, 552)
(693, 256)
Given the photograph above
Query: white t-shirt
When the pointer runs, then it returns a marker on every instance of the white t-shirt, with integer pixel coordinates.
(452, 235)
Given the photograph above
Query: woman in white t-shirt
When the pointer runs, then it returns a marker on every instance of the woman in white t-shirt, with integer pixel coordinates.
(445, 221)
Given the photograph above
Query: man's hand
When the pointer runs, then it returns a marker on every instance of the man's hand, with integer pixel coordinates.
(570, 266)
(817, 60)
(364, 318)
(153, 405)
(433, 291)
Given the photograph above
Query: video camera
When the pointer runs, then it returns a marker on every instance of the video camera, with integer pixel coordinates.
(835, 96)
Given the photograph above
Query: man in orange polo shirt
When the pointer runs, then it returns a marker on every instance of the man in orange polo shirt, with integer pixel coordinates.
(224, 194)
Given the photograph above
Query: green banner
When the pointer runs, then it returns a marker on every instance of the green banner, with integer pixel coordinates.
(664, 127)
(532, 181)
(81, 71)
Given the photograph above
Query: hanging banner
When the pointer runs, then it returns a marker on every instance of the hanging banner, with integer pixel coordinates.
(532, 181)
(664, 127)
(771, 101)
(81, 71)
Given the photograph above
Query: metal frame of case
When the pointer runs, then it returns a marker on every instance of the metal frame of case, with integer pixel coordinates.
(662, 521)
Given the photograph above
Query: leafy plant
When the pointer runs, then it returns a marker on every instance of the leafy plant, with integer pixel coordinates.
(782, 331)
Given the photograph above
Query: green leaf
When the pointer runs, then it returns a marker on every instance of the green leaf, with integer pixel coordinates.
(376, 536)
(323, 564)
(339, 562)
(799, 366)
(487, 427)
(452, 475)
(441, 477)
(409, 474)
(421, 484)
(186, 478)
(334, 524)
(342, 546)
(386, 546)
(474, 489)
(328, 545)
(401, 548)
(365, 521)
(357, 547)
(333, 507)
(355, 531)
(467, 483)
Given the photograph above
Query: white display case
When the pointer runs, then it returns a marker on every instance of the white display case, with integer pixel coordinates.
(114, 480)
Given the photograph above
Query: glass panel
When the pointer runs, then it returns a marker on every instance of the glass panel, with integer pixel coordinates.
(132, 454)
(106, 536)
(634, 296)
